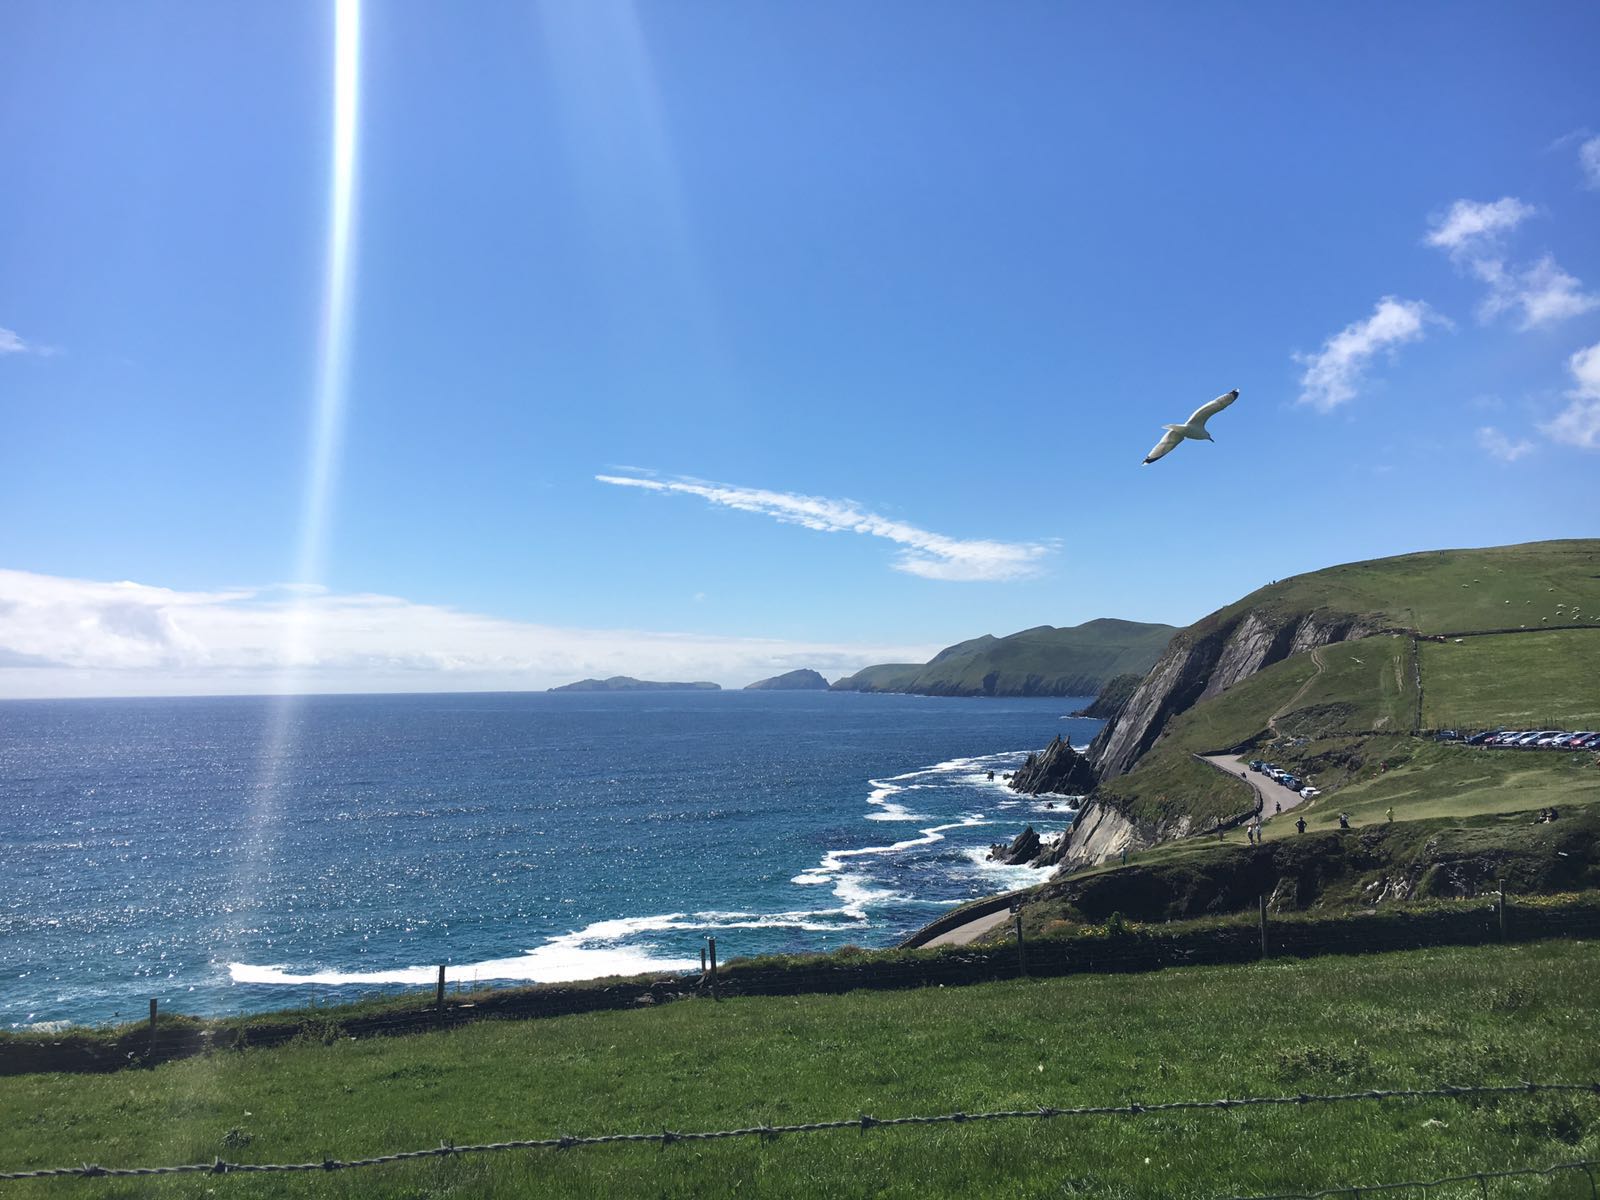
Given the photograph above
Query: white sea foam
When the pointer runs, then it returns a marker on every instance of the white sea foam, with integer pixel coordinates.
(589, 953)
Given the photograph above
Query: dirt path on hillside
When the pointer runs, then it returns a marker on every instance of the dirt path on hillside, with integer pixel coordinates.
(1288, 705)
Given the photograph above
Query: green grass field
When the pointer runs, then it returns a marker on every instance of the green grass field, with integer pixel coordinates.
(1447, 591)
(1421, 1018)
(1523, 681)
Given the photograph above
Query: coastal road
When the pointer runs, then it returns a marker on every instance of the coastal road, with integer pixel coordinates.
(962, 934)
(1270, 791)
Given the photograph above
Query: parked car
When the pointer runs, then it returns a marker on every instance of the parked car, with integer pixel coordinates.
(1447, 735)
(1554, 739)
(1488, 735)
(1310, 793)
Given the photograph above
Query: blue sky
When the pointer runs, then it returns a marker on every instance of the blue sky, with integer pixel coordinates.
(874, 310)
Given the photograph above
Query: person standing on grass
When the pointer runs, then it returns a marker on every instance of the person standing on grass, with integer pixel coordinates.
(1300, 825)
(1389, 812)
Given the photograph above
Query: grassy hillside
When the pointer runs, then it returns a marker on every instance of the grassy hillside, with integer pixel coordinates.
(1447, 591)
(1046, 661)
(1332, 713)
(1337, 1024)
(1531, 680)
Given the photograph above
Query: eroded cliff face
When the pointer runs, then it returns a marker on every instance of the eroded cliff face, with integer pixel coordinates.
(1201, 662)
(1101, 832)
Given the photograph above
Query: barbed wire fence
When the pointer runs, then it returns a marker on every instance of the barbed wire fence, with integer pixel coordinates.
(864, 1122)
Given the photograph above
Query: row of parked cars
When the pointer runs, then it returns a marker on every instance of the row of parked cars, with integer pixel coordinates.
(1546, 739)
(1271, 771)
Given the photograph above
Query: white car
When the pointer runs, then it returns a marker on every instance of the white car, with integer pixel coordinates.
(1308, 793)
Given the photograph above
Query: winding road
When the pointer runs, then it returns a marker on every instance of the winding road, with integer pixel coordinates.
(1271, 792)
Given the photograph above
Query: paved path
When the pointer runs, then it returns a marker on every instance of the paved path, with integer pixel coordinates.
(962, 934)
(1270, 791)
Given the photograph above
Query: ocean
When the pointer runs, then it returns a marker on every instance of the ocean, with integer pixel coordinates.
(239, 854)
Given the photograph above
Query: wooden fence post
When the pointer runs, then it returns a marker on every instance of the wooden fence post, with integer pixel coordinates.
(1022, 953)
(1263, 926)
(152, 1025)
(711, 944)
(438, 992)
(1500, 904)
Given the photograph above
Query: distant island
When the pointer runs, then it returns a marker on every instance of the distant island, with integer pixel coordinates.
(626, 683)
(1076, 660)
(803, 680)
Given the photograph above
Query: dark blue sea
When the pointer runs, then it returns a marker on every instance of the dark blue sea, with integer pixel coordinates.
(239, 854)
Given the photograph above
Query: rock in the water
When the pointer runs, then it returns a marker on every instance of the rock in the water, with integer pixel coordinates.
(1058, 768)
(1022, 849)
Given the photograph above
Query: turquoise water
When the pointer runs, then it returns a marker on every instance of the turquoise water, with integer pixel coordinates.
(238, 854)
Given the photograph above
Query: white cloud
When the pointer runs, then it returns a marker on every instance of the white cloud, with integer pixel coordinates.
(929, 555)
(1470, 224)
(1543, 292)
(1500, 446)
(1589, 162)
(12, 343)
(1333, 373)
(76, 637)
(1472, 233)
(1579, 423)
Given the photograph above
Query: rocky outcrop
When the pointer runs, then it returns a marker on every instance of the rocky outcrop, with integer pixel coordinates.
(1102, 832)
(1209, 658)
(803, 680)
(1058, 769)
(1021, 849)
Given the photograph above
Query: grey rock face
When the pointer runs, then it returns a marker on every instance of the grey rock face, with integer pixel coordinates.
(1198, 666)
(1058, 769)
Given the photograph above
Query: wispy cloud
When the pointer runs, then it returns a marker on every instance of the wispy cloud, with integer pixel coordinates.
(1589, 162)
(929, 555)
(1579, 423)
(1499, 445)
(1333, 373)
(1543, 293)
(77, 637)
(11, 342)
(1473, 233)
(1470, 224)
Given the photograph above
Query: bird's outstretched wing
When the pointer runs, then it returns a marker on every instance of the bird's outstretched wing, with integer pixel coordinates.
(1199, 416)
(1168, 440)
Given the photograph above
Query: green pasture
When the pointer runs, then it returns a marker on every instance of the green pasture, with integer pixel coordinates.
(1548, 679)
(1335, 1024)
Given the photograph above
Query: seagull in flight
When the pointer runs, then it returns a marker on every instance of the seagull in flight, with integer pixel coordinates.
(1194, 427)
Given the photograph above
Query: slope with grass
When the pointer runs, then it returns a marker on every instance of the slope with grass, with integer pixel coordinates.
(1535, 680)
(1076, 660)
(1435, 593)
(1340, 1024)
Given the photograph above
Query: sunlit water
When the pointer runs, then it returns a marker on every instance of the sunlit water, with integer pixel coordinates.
(511, 836)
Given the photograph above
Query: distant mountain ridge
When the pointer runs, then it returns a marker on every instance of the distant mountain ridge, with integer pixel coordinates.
(1075, 660)
(626, 683)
